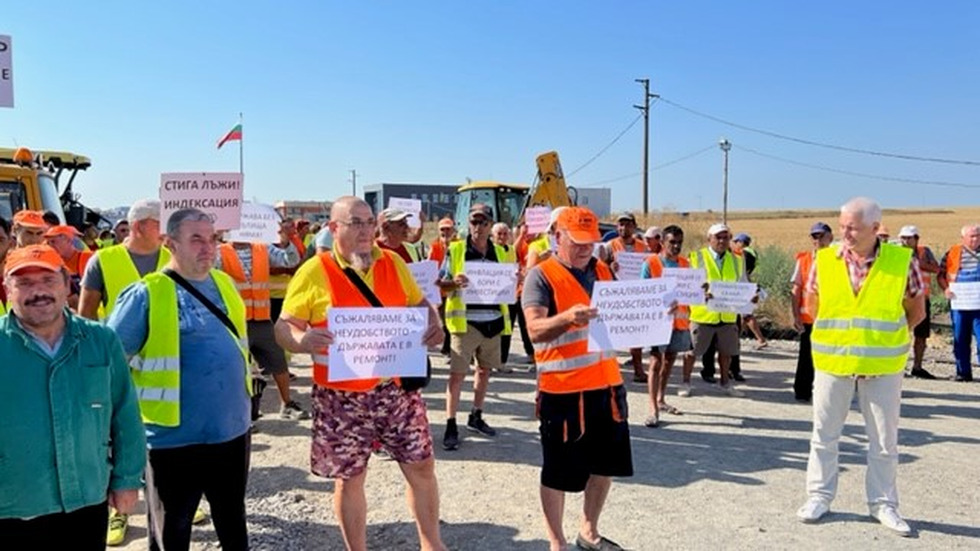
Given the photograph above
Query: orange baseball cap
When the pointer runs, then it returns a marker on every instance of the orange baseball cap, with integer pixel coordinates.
(38, 256)
(581, 224)
(30, 218)
(62, 229)
(446, 223)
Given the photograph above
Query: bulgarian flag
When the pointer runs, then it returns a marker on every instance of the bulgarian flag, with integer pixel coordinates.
(232, 135)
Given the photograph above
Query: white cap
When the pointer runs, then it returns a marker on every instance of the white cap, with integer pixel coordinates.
(324, 239)
(144, 209)
(909, 231)
(554, 217)
(653, 231)
(715, 229)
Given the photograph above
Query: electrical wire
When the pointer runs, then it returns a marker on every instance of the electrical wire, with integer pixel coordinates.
(604, 149)
(821, 144)
(658, 167)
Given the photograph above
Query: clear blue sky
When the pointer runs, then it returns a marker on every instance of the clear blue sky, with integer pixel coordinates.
(435, 92)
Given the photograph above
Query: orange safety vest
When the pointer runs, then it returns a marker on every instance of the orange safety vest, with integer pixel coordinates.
(255, 293)
(617, 245)
(76, 265)
(565, 364)
(437, 252)
(805, 260)
(953, 262)
(682, 316)
(920, 254)
(387, 287)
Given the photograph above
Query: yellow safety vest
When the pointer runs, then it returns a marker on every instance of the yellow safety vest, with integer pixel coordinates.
(118, 272)
(3, 309)
(865, 334)
(455, 307)
(732, 269)
(156, 368)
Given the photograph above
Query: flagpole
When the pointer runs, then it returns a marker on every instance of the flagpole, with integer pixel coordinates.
(241, 148)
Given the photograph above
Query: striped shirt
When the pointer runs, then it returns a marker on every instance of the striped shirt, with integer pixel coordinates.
(858, 270)
(969, 265)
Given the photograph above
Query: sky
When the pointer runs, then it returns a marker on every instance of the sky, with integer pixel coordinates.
(438, 92)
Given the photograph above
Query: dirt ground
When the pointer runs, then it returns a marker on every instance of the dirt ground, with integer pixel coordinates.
(727, 474)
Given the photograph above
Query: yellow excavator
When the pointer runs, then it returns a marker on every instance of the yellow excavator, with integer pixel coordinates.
(32, 180)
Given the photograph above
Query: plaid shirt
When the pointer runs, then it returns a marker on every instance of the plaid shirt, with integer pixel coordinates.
(858, 271)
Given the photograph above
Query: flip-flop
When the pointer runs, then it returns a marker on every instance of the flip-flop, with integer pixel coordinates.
(671, 409)
(761, 346)
(652, 422)
(603, 544)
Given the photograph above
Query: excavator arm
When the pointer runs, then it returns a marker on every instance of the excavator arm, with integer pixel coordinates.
(549, 188)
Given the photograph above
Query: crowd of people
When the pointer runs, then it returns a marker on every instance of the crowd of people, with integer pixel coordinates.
(140, 362)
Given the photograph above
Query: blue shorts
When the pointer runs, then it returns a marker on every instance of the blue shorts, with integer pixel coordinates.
(680, 342)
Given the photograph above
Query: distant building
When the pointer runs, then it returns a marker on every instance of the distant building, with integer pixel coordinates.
(314, 211)
(438, 200)
(598, 200)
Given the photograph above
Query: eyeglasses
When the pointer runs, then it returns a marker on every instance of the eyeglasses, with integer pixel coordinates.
(359, 224)
(483, 222)
(816, 235)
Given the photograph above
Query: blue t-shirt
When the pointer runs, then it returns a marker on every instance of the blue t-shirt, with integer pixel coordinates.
(214, 405)
(668, 263)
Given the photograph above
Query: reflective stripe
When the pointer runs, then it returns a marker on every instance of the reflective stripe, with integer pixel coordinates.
(578, 362)
(159, 394)
(321, 359)
(861, 351)
(456, 313)
(278, 286)
(565, 338)
(861, 323)
(155, 364)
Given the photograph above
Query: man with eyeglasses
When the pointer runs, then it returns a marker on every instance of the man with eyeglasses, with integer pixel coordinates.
(822, 237)
(475, 329)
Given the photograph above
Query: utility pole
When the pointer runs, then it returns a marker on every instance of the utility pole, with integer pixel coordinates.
(725, 146)
(645, 108)
(353, 182)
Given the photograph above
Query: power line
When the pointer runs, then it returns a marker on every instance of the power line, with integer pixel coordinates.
(604, 149)
(658, 167)
(821, 144)
(857, 174)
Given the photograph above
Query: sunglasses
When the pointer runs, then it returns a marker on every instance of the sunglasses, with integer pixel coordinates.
(483, 222)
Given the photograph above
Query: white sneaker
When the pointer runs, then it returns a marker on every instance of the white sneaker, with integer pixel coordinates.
(730, 390)
(813, 510)
(685, 390)
(889, 518)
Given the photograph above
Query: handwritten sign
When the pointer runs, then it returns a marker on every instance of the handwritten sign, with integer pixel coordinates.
(376, 342)
(6, 71)
(966, 296)
(630, 265)
(631, 314)
(690, 284)
(490, 283)
(216, 193)
(413, 206)
(732, 297)
(537, 219)
(259, 224)
(425, 274)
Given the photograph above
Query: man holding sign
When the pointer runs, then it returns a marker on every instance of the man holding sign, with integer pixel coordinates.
(627, 242)
(581, 398)
(350, 415)
(960, 267)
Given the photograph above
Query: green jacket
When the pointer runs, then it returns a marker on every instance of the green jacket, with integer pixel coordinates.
(70, 426)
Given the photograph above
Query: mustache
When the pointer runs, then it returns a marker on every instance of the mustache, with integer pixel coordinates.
(40, 300)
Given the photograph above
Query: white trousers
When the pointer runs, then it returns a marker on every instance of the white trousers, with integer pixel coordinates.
(880, 399)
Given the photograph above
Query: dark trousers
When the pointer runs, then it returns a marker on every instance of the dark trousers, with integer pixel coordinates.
(176, 478)
(966, 326)
(708, 362)
(82, 530)
(516, 317)
(803, 384)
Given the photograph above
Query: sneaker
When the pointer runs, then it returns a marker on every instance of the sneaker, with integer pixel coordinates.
(602, 545)
(476, 424)
(922, 374)
(291, 410)
(199, 516)
(813, 510)
(730, 390)
(888, 516)
(118, 523)
(685, 390)
(450, 440)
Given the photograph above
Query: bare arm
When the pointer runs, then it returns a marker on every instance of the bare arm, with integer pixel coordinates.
(433, 335)
(915, 309)
(88, 303)
(296, 335)
(542, 328)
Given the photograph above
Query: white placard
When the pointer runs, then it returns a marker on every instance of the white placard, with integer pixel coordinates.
(537, 219)
(425, 274)
(413, 206)
(966, 295)
(376, 342)
(490, 283)
(732, 297)
(690, 284)
(6, 71)
(259, 224)
(631, 314)
(630, 264)
(216, 193)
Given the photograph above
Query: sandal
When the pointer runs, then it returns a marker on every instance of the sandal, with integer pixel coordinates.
(762, 345)
(602, 545)
(671, 409)
(652, 421)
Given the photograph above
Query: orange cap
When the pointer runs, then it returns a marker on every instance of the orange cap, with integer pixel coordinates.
(31, 218)
(38, 256)
(63, 229)
(446, 223)
(581, 224)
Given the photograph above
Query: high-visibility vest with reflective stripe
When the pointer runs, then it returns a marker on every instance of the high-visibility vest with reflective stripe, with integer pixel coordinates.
(254, 292)
(731, 271)
(386, 286)
(437, 252)
(616, 245)
(682, 316)
(565, 364)
(953, 259)
(455, 307)
(119, 271)
(805, 260)
(3, 308)
(156, 368)
(865, 334)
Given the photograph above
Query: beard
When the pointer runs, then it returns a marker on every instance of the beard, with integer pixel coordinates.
(361, 261)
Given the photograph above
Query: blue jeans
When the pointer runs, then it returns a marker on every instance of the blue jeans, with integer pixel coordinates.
(966, 325)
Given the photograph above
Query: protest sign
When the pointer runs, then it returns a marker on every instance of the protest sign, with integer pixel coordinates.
(630, 264)
(413, 206)
(259, 224)
(690, 284)
(537, 219)
(425, 274)
(631, 314)
(377, 342)
(216, 193)
(490, 283)
(6, 72)
(966, 295)
(731, 297)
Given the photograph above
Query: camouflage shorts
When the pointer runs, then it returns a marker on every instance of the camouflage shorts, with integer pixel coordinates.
(346, 424)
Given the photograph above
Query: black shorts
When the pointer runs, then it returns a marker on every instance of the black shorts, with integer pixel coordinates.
(583, 439)
(262, 343)
(924, 329)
